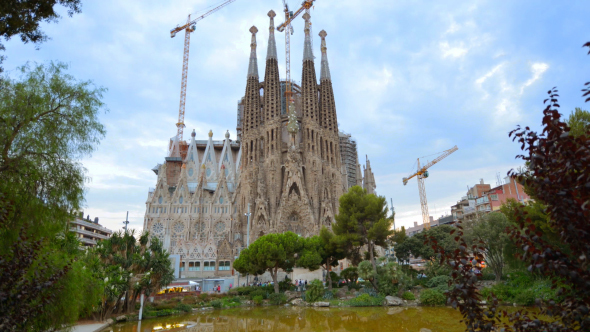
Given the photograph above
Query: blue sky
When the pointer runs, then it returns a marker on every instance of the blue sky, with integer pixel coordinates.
(411, 78)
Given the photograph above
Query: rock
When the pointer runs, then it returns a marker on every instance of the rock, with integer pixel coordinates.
(299, 302)
(425, 330)
(292, 295)
(110, 321)
(393, 301)
(207, 308)
(321, 304)
(121, 318)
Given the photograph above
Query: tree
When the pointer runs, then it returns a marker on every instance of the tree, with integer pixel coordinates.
(579, 122)
(22, 18)
(129, 266)
(362, 220)
(350, 274)
(322, 250)
(558, 174)
(270, 253)
(418, 245)
(491, 231)
(48, 120)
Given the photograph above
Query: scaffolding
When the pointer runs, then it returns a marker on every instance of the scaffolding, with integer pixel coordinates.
(349, 154)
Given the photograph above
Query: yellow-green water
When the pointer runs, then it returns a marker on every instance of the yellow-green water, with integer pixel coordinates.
(266, 319)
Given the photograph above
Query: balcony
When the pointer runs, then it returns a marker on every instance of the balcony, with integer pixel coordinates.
(87, 241)
(89, 233)
(91, 225)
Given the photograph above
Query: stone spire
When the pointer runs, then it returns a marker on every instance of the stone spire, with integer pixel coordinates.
(369, 178)
(253, 67)
(307, 51)
(325, 70)
(252, 95)
(328, 118)
(308, 80)
(272, 45)
(272, 88)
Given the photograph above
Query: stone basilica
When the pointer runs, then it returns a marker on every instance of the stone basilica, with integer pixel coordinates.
(287, 169)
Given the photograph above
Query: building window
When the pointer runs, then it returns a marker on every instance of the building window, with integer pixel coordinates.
(209, 266)
(194, 266)
(181, 266)
(224, 266)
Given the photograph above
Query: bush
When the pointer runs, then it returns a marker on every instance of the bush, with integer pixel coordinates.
(217, 304)
(315, 291)
(259, 292)
(432, 297)
(203, 296)
(366, 300)
(277, 299)
(236, 299)
(166, 312)
(184, 307)
(257, 299)
(286, 285)
(435, 282)
(164, 306)
(409, 296)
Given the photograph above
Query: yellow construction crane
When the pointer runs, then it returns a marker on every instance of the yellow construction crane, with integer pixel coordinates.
(188, 27)
(421, 174)
(289, 17)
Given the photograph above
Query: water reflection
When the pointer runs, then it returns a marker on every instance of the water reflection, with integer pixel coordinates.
(266, 319)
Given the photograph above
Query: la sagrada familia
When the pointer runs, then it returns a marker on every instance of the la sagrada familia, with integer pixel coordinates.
(286, 169)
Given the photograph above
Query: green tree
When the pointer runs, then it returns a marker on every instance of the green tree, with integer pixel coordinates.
(322, 250)
(350, 274)
(416, 245)
(270, 253)
(22, 18)
(490, 232)
(129, 265)
(48, 120)
(362, 220)
(579, 122)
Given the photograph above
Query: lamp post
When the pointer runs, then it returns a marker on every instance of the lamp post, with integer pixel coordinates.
(248, 235)
(126, 221)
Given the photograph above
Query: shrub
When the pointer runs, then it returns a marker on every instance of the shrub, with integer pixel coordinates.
(165, 312)
(315, 291)
(525, 297)
(236, 299)
(184, 307)
(216, 304)
(259, 292)
(438, 281)
(366, 300)
(164, 306)
(203, 296)
(257, 299)
(277, 299)
(432, 297)
(409, 296)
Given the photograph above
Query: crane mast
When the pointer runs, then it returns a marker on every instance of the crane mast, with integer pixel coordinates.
(289, 17)
(189, 27)
(421, 174)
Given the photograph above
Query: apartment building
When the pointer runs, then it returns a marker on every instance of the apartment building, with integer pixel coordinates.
(89, 232)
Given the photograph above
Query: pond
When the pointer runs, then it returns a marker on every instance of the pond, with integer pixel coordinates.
(262, 319)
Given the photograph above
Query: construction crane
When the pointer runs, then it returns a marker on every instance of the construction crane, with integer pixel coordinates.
(188, 27)
(289, 17)
(421, 174)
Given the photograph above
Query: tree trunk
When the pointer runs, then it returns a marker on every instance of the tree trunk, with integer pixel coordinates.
(328, 265)
(274, 278)
(371, 247)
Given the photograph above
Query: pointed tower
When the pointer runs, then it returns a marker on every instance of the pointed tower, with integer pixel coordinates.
(369, 179)
(328, 119)
(252, 96)
(308, 80)
(251, 105)
(272, 98)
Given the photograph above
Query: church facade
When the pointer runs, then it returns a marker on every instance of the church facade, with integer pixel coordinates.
(284, 172)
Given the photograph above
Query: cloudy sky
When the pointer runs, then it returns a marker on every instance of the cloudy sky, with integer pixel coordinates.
(411, 78)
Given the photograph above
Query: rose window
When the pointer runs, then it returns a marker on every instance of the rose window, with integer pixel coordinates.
(158, 227)
(220, 227)
(178, 227)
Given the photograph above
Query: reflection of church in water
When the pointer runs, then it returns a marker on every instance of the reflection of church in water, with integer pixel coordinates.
(289, 166)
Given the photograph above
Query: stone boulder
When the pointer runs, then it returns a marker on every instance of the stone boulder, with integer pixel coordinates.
(299, 302)
(393, 301)
(425, 330)
(321, 304)
(121, 318)
(292, 295)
